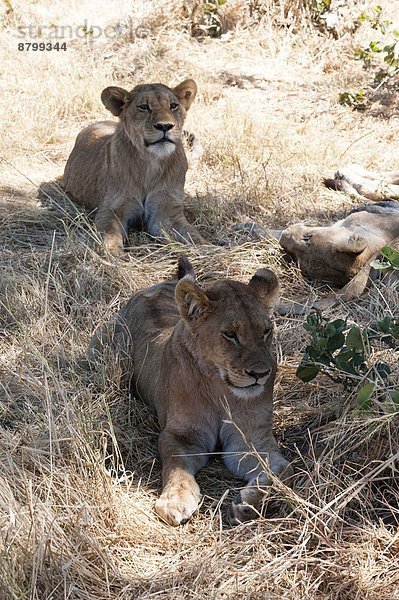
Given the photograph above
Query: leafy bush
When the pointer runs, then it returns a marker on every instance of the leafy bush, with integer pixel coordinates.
(389, 51)
(342, 352)
(368, 54)
(206, 19)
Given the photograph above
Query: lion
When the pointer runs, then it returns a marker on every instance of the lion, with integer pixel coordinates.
(359, 182)
(340, 254)
(202, 356)
(132, 172)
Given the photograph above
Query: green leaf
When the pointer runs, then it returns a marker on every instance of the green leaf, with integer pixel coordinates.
(307, 372)
(339, 324)
(395, 396)
(375, 47)
(385, 324)
(363, 397)
(391, 254)
(312, 321)
(335, 342)
(354, 339)
(380, 266)
(330, 330)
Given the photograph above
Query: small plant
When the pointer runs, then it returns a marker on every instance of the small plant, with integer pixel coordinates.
(389, 52)
(337, 348)
(87, 30)
(376, 19)
(207, 21)
(386, 330)
(342, 352)
(390, 260)
(355, 100)
(318, 9)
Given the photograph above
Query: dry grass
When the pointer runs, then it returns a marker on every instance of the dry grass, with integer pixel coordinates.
(78, 467)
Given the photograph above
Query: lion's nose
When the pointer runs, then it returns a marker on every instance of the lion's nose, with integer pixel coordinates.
(163, 126)
(258, 374)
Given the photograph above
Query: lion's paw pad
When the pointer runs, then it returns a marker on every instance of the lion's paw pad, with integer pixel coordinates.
(175, 510)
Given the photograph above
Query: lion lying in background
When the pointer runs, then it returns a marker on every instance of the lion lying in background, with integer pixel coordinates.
(356, 181)
(341, 253)
(203, 358)
(133, 172)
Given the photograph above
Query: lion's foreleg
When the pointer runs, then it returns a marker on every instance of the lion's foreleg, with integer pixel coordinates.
(181, 458)
(164, 213)
(353, 289)
(112, 230)
(247, 504)
(253, 460)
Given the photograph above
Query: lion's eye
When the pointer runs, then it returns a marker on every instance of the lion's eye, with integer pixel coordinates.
(231, 336)
(144, 107)
(307, 237)
(174, 106)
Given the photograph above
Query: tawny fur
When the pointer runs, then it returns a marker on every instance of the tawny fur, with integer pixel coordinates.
(341, 253)
(356, 181)
(132, 172)
(203, 358)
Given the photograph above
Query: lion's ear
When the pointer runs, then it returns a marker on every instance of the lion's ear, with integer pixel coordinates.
(191, 301)
(113, 98)
(355, 244)
(266, 286)
(186, 92)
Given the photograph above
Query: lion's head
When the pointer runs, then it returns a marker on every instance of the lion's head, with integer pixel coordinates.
(152, 114)
(333, 254)
(230, 323)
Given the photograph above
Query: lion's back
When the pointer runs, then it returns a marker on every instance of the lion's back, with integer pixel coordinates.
(151, 315)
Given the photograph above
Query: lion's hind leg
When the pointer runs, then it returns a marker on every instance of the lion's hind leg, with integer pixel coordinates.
(355, 180)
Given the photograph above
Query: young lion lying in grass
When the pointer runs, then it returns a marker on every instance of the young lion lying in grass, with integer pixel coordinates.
(203, 358)
(133, 172)
(356, 181)
(341, 253)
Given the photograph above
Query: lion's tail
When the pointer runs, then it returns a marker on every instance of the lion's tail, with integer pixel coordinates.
(185, 268)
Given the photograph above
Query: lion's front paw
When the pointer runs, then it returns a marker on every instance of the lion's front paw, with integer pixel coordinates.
(176, 507)
(246, 506)
(113, 243)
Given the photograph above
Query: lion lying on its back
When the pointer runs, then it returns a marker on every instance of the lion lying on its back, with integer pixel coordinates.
(358, 182)
(203, 359)
(133, 172)
(341, 253)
